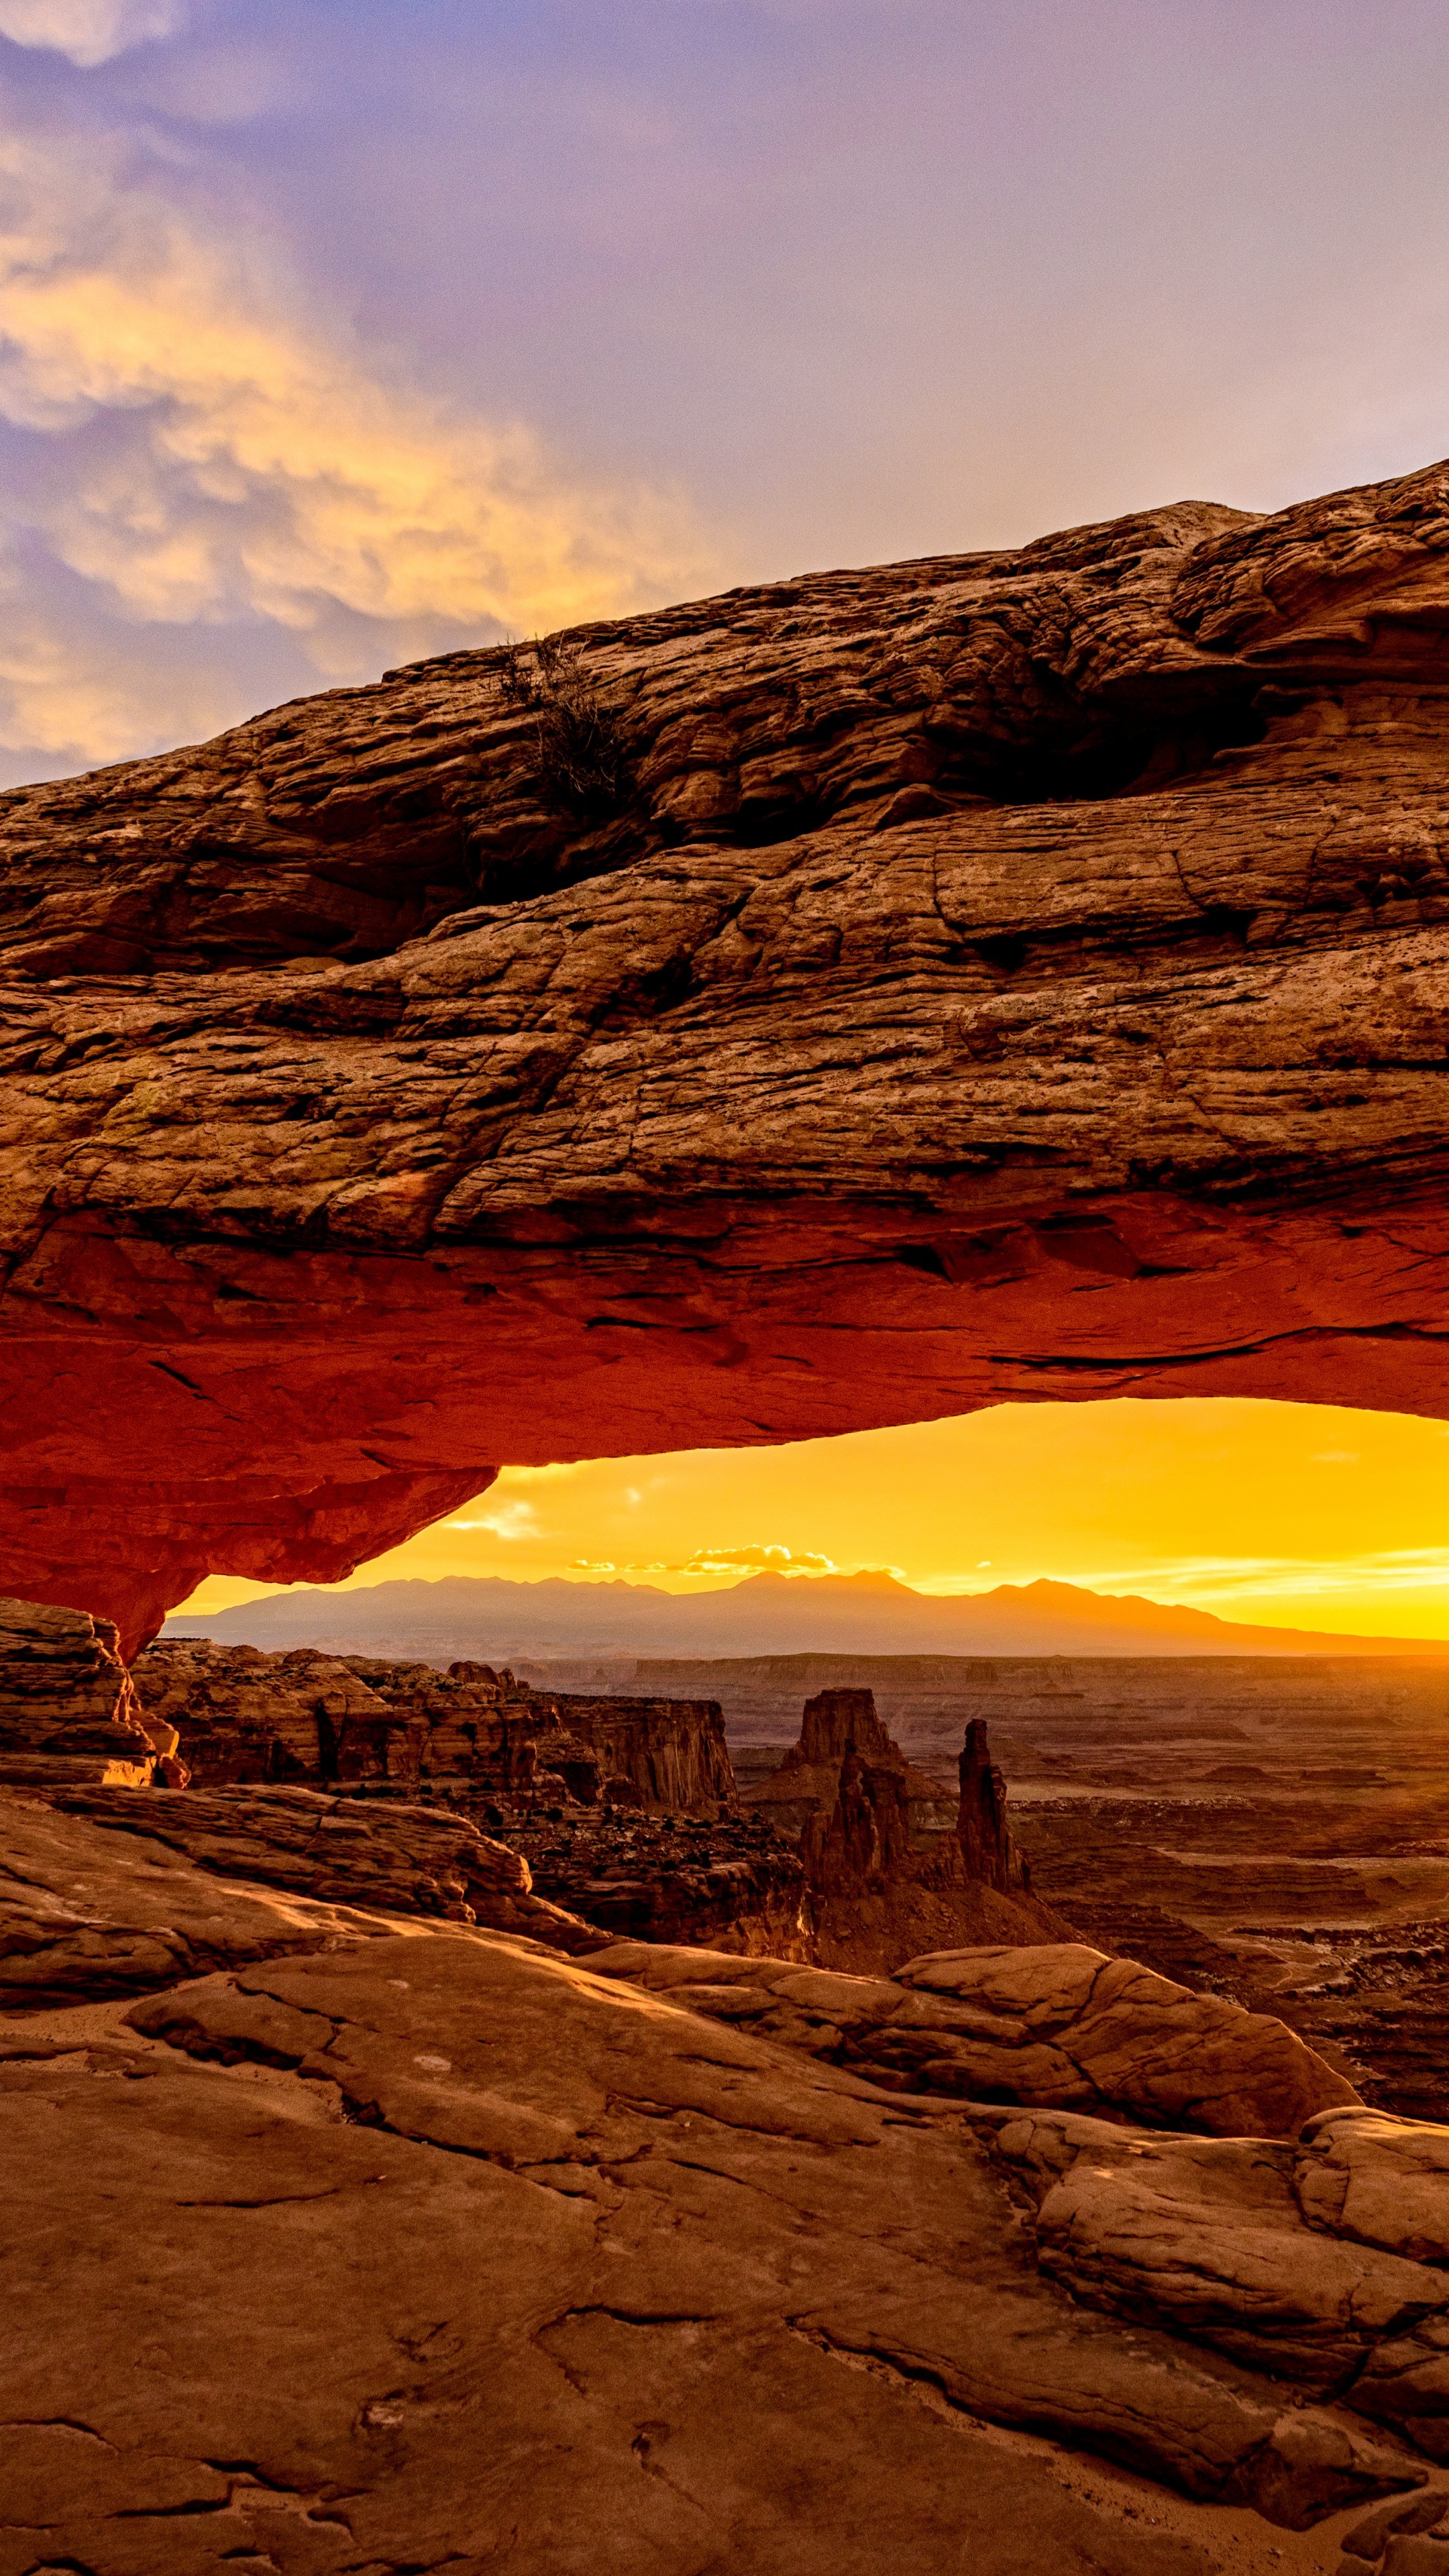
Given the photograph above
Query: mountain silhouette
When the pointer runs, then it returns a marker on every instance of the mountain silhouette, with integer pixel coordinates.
(496, 1621)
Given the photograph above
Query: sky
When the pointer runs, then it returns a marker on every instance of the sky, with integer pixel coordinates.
(1274, 1514)
(338, 332)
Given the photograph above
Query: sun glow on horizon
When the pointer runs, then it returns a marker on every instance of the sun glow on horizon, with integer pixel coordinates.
(1273, 1515)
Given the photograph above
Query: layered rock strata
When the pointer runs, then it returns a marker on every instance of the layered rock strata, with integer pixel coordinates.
(1001, 976)
(342, 1851)
(671, 1753)
(885, 1880)
(250, 1716)
(805, 1786)
(68, 1709)
(85, 1914)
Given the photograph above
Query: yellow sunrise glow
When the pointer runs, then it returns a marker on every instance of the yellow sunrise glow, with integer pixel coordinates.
(1275, 1514)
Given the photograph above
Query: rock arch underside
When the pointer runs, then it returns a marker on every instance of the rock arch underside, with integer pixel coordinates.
(847, 1002)
(998, 976)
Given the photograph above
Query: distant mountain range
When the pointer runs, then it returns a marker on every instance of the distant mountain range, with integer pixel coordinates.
(493, 1621)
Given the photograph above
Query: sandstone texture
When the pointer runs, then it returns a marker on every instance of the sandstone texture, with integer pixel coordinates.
(394, 1860)
(1058, 2025)
(1008, 975)
(892, 1864)
(86, 1914)
(303, 1715)
(246, 1715)
(671, 1753)
(68, 1708)
(348, 2243)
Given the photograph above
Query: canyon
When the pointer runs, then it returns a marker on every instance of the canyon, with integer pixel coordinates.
(991, 977)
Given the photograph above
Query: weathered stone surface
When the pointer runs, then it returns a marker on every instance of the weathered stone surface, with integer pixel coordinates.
(1050, 2025)
(484, 2229)
(676, 2221)
(86, 1914)
(886, 1879)
(68, 1708)
(1227, 2241)
(670, 1752)
(393, 1859)
(1010, 975)
(245, 1715)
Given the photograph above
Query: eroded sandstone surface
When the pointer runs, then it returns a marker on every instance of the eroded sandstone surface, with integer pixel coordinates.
(1016, 974)
(390, 2245)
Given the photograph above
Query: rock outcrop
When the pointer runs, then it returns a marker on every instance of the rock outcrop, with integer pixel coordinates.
(885, 1879)
(671, 1753)
(802, 1792)
(486, 2226)
(1003, 976)
(86, 1914)
(986, 1845)
(1058, 2025)
(731, 1884)
(494, 2234)
(343, 1851)
(470, 1726)
(68, 1709)
(1312, 2258)
(249, 1716)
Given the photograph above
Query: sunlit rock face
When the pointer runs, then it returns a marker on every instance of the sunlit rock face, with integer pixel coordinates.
(996, 976)
(69, 1713)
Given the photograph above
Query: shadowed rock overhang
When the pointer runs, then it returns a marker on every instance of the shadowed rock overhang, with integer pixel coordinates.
(848, 1002)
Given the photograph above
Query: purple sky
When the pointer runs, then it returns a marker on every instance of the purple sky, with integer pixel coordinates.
(338, 331)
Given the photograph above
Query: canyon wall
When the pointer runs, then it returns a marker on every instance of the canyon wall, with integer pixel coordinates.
(996, 976)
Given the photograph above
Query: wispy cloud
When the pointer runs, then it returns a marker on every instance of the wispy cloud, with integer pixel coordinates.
(506, 1520)
(91, 31)
(1220, 1582)
(207, 447)
(711, 1562)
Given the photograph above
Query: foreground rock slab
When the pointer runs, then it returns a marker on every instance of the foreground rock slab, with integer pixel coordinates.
(342, 2242)
(442, 2251)
(86, 1914)
(341, 1851)
(1058, 2024)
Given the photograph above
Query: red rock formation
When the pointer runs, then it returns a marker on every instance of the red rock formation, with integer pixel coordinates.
(671, 1753)
(697, 2171)
(881, 1887)
(1057, 2026)
(1011, 975)
(243, 1715)
(68, 1709)
(986, 1845)
(395, 1859)
(470, 1725)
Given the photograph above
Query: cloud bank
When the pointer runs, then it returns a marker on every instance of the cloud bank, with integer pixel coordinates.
(199, 445)
(91, 31)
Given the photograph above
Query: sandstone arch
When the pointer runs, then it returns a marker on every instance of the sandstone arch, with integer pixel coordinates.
(998, 976)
